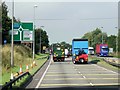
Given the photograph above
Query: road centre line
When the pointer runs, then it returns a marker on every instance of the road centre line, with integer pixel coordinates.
(43, 75)
(106, 69)
(70, 74)
(91, 84)
(84, 77)
(81, 78)
(100, 84)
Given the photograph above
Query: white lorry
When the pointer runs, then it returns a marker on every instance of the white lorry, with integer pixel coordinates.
(90, 50)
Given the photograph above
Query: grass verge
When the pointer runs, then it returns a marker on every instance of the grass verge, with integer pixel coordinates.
(101, 62)
(6, 76)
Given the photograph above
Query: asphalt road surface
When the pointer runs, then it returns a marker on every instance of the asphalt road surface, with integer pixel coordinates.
(68, 75)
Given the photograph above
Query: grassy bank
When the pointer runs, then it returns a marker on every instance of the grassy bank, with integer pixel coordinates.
(101, 62)
(22, 56)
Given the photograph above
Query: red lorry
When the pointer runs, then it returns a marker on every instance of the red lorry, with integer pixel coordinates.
(102, 50)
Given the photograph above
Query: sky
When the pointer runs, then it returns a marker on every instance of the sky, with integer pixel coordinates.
(65, 20)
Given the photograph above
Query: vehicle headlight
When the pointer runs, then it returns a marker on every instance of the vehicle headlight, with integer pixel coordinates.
(77, 57)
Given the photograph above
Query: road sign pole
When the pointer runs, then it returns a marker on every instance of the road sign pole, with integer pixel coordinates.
(34, 34)
(12, 42)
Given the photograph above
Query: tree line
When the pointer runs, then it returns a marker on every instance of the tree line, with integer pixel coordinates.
(95, 37)
(7, 26)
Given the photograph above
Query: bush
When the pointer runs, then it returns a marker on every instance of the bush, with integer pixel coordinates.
(22, 54)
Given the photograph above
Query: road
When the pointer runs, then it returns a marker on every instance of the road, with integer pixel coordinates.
(66, 74)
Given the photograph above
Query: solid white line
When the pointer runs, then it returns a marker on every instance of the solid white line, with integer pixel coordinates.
(91, 84)
(43, 75)
(105, 69)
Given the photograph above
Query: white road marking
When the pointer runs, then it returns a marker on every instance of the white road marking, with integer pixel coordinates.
(84, 77)
(79, 72)
(43, 75)
(91, 84)
(105, 69)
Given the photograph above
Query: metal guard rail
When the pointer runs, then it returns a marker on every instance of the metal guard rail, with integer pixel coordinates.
(111, 63)
(13, 81)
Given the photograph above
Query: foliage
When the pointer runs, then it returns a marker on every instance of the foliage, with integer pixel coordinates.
(22, 54)
(6, 23)
(95, 37)
(62, 44)
(111, 41)
(44, 39)
(119, 40)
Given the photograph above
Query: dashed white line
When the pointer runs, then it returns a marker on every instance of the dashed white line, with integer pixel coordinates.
(84, 77)
(91, 84)
(105, 69)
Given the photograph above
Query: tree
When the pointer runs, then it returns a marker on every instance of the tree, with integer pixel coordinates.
(6, 23)
(39, 33)
(111, 41)
(95, 37)
(119, 40)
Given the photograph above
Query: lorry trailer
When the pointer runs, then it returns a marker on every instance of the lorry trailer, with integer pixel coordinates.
(102, 50)
(80, 50)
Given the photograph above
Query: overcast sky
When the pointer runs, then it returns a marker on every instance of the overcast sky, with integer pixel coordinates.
(64, 21)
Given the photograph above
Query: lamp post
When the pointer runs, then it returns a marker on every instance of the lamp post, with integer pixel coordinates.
(102, 36)
(116, 42)
(12, 42)
(35, 6)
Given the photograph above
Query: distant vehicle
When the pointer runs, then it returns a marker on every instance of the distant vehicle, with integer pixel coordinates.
(80, 50)
(58, 53)
(102, 50)
(91, 51)
(110, 50)
(66, 52)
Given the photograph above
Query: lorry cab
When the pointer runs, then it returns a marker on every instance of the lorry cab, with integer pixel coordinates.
(81, 57)
(58, 54)
(104, 51)
(91, 51)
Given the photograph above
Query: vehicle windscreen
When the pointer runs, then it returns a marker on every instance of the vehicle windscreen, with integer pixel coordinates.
(104, 49)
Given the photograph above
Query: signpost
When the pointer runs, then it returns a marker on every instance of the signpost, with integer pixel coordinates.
(23, 32)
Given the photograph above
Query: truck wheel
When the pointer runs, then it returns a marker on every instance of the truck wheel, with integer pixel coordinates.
(82, 60)
(74, 62)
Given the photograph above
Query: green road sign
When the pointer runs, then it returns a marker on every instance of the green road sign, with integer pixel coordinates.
(23, 31)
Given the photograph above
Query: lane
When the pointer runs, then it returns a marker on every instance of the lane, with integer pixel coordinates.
(67, 74)
(62, 74)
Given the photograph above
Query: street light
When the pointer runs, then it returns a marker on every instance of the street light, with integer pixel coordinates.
(102, 36)
(116, 42)
(35, 6)
(12, 42)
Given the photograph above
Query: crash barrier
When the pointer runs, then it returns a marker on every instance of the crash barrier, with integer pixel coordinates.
(112, 61)
(9, 85)
(19, 75)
